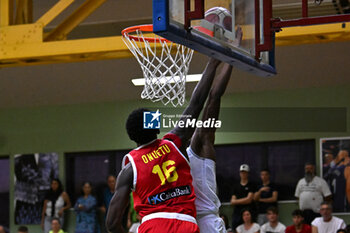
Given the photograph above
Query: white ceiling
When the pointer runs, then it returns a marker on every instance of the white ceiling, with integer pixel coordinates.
(303, 66)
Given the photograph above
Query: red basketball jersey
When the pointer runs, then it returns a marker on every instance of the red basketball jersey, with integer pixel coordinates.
(162, 178)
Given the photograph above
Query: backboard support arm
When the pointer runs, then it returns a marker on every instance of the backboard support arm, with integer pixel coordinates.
(198, 13)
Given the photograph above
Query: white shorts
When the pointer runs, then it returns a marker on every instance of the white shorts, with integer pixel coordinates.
(207, 202)
(211, 223)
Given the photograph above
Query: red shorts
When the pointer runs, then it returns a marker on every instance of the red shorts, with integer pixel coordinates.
(161, 225)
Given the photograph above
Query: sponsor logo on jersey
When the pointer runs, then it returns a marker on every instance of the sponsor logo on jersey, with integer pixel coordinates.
(169, 194)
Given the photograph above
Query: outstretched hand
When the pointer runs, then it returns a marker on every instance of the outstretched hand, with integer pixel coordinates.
(239, 35)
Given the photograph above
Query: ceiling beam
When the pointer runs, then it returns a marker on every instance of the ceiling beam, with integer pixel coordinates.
(6, 12)
(54, 12)
(63, 29)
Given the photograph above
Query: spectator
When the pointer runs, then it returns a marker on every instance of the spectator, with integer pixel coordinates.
(85, 207)
(341, 231)
(56, 226)
(248, 225)
(266, 196)
(227, 224)
(273, 225)
(108, 193)
(2, 229)
(107, 196)
(243, 195)
(327, 223)
(298, 225)
(22, 229)
(311, 190)
(55, 203)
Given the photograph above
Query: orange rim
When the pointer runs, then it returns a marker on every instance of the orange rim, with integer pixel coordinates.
(142, 28)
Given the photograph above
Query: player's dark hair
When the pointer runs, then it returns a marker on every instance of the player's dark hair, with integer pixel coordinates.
(298, 212)
(135, 130)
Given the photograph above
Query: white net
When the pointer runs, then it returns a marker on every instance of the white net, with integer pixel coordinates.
(164, 65)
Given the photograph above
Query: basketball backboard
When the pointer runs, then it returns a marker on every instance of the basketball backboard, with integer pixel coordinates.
(184, 22)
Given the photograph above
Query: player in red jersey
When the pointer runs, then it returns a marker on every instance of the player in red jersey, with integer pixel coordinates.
(158, 171)
(202, 157)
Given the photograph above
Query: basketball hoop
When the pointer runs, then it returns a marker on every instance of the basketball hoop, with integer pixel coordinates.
(164, 64)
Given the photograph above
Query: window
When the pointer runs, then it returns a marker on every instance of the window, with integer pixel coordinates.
(93, 167)
(285, 160)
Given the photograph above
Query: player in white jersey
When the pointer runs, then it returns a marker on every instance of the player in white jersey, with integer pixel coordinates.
(202, 159)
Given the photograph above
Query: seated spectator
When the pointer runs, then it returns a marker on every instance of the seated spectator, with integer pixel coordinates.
(55, 204)
(298, 225)
(2, 229)
(273, 225)
(85, 208)
(248, 225)
(341, 231)
(56, 226)
(227, 225)
(266, 196)
(22, 229)
(327, 223)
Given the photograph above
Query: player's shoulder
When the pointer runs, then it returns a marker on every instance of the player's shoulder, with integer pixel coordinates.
(174, 138)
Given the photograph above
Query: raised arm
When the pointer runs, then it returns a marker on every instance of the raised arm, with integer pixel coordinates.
(120, 200)
(202, 142)
(196, 103)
